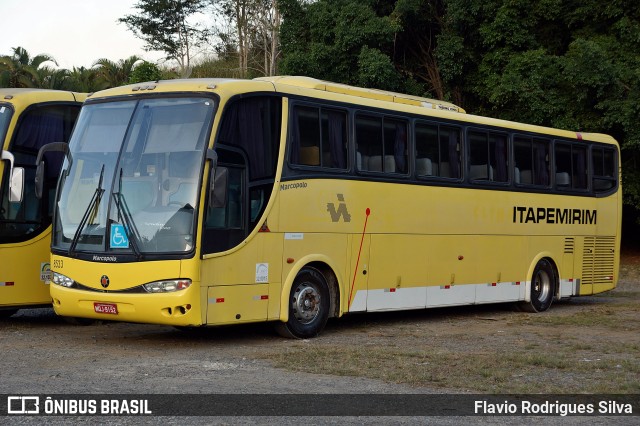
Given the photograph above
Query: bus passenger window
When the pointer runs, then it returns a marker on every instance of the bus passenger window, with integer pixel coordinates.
(395, 146)
(437, 150)
(488, 156)
(604, 177)
(571, 166)
(369, 143)
(319, 137)
(381, 144)
(531, 161)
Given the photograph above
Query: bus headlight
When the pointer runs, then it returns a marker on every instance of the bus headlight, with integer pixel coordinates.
(166, 286)
(62, 280)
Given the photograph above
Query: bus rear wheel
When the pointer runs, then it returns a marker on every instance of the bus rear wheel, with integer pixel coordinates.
(308, 306)
(543, 285)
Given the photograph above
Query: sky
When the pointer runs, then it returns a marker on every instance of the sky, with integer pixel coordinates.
(75, 32)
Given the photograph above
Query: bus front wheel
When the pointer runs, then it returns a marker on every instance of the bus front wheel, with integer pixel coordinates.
(308, 306)
(543, 285)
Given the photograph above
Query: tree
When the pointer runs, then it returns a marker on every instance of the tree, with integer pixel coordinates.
(51, 78)
(20, 69)
(163, 25)
(145, 71)
(115, 73)
(85, 80)
(254, 36)
(345, 41)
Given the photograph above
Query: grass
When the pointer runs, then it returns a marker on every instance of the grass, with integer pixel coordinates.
(584, 346)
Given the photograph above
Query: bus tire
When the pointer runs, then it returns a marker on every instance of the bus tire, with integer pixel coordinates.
(543, 286)
(308, 306)
(6, 313)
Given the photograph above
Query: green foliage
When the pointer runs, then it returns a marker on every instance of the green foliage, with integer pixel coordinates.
(145, 71)
(342, 41)
(115, 74)
(226, 67)
(21, 70)
(375, 69)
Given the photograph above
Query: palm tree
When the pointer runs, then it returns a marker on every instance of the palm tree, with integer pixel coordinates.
(85, 80)
(20, 69)
(116, 73)
(51, 78)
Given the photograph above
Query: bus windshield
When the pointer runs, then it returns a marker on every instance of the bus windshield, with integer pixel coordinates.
(130, 183)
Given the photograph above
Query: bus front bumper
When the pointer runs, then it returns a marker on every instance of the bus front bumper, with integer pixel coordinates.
(179, 308)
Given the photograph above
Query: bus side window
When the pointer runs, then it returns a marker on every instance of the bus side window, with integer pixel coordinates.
(488, 156)
(604, 166)
(531, 161)
(319, 137)
(369, 143)
(381, 144)
(571, 166)
(437, 150)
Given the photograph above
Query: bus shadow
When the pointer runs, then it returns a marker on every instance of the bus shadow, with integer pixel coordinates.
(34, 317)
(264, 333)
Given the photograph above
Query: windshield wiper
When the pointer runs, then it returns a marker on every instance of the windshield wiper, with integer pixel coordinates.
(124, 216)
(90, 212)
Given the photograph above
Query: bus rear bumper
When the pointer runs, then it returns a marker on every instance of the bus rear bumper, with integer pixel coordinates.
(180, 308)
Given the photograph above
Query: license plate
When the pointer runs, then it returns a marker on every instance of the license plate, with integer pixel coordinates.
(105, 308)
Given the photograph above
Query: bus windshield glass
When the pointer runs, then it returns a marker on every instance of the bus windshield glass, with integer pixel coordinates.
(131, 184)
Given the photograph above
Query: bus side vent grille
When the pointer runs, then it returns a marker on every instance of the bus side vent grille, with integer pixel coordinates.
(598, 260)
(569, 245)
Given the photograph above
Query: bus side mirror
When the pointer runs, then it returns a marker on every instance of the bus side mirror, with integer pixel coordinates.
(16, 178)
(218, 190)
(16, 188)
(39, 180)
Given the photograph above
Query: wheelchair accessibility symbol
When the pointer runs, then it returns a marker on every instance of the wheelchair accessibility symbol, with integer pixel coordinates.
(118, 237)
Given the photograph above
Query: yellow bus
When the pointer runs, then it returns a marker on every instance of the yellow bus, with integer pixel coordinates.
(29, 119)
(293, 200)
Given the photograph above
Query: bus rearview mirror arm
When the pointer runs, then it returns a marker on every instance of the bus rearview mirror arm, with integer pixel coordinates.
(218, 179)
(50, 147)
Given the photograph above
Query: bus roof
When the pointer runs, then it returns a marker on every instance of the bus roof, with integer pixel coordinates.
(382, 95)
(22, 97)
(311, 87)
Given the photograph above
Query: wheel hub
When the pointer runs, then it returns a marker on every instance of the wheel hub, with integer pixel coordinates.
(306, 303)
